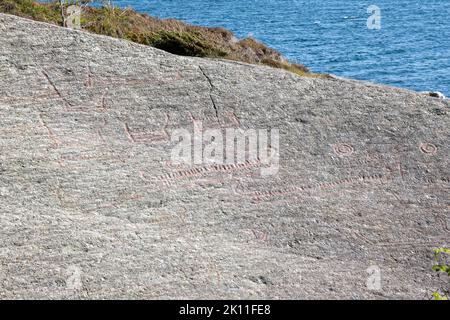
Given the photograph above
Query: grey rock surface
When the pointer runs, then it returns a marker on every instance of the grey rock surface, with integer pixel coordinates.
(86, 210)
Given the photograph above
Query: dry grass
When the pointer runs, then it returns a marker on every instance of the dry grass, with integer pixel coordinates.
(167, 34)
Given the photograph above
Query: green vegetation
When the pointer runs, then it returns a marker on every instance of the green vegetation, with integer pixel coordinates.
(441, 266)
(167, 34)
(30, 9)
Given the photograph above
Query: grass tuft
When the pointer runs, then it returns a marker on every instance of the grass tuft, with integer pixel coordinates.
(170, 35)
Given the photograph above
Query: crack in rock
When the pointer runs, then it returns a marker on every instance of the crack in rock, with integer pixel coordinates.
(211, 89)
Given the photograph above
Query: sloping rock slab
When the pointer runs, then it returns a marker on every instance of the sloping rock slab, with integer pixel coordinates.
(91, 205)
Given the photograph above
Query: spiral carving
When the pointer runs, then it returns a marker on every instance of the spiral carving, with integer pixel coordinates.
(428, 148)
(343, 149)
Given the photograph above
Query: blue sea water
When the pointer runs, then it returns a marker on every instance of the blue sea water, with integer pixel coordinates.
(411, 50)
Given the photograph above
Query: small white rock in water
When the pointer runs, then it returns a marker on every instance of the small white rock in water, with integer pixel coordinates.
(436, 94)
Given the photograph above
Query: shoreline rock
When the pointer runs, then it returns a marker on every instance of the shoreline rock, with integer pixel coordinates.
(87, 213)
(436, 94)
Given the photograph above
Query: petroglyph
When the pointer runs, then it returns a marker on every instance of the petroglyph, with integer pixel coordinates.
(170, 178)
(343, 149)
(428, 148)
(128, 133)
(175, 166)
(151, 136)
(260, 235)
(73, 160)
(106, 81)
(157, 136)
(89, 78)
(13, 100)
(364, 160)
(364, 176)
(51, 134)
(67, 103)
(19, 129)
(228, 120)
(97, 105)
(234, 119)
(266, 195)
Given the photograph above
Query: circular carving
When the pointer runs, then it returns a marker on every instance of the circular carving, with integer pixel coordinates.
(343, 149)
(428, 148)
(174, 166)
